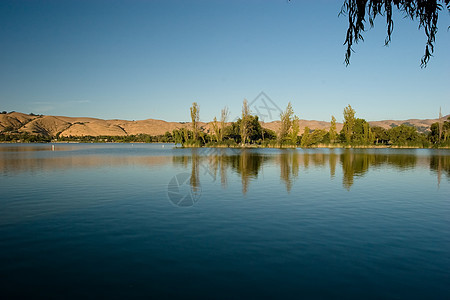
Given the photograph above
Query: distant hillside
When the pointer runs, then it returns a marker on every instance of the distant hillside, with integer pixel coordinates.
(421, 125)
(72, 126)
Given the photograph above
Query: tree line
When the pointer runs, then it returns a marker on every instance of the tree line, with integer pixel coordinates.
(356, 132)
(39, 138)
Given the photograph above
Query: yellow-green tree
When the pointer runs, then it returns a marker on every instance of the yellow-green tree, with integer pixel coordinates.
(245, 122)
(195, 117)
(349, 122)
(305, 137)
(223, 120)
(368, 134)
(286, 122)
(216, 129)
(185, 134)
(332, 132)
(295, 130)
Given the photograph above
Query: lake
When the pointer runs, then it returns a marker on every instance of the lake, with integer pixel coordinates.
(154, 221)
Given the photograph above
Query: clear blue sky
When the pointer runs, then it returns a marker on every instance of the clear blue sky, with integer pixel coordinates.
(151, 59)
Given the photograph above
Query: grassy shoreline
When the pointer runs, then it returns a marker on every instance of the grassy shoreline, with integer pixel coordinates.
(313, 147)
(248, 146)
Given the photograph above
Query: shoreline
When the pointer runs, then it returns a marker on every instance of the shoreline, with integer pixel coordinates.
(316, 147)
(251, 146)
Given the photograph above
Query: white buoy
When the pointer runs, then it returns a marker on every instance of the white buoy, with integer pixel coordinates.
(53, 147)
(163, 146)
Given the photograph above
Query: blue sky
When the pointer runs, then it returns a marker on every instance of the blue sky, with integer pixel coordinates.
(151, 59)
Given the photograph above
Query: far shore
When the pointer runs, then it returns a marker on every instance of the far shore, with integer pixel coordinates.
(315, 147)
(250, 146)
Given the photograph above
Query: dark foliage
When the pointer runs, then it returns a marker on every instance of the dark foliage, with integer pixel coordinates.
(424, 12)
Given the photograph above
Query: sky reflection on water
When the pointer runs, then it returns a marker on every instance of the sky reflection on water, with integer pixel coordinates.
(321, 223)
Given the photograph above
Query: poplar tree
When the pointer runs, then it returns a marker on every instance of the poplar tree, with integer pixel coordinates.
(216, 129)
(195, 116)
(295, 130)
(332, 131)
(440, 124)
(286, 122)
(245, 120)
(223, 120)
(349, 122)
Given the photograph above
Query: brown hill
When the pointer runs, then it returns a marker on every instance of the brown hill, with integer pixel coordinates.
(421, 125)
(73, 126)
(13, 121)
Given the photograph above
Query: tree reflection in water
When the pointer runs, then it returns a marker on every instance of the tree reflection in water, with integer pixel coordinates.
(195, 174)
(247, 165)
(332, 160)
(440, 164)
(355, 163)
(289, 166)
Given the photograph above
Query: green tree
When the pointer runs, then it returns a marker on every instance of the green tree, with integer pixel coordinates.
(441, 124)
(253, 129)
(404, 135)
(433, 136)
(195, 117)
(446, 129)
(440, 133)
(368, 135)
(269, 135)
(317, 137)
(380, 135)
(224, 114)
(349, 122)
(233, 132)
(332, 131)
(295, 130)
(305, 137)
(216, 129)
(286, 122)
(362, 135)
(245, 122)
(186, 135)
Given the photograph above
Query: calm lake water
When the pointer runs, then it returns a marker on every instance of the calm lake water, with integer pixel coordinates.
(153, 221)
